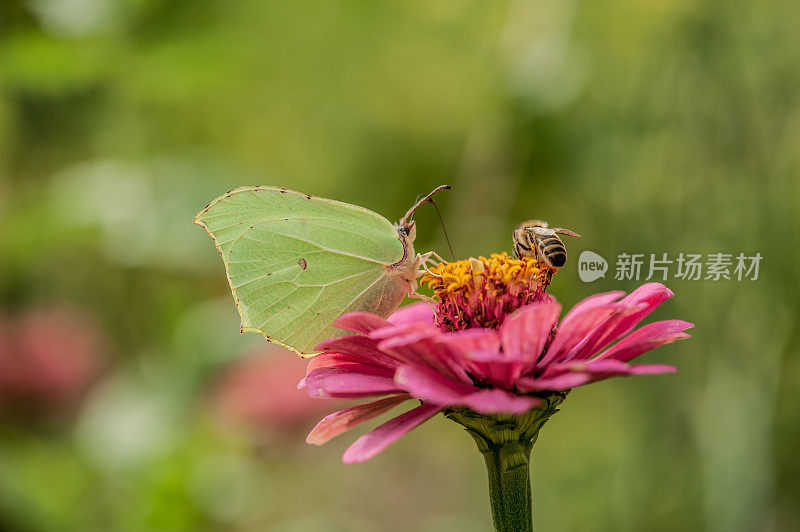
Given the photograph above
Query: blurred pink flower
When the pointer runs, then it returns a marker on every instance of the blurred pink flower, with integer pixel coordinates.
(257, 392)
(502, 370)
(48, 359)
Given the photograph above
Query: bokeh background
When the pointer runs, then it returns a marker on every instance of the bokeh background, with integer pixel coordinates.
(129, 400)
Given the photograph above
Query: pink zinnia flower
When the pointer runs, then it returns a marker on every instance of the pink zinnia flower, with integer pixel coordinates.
(448, 359)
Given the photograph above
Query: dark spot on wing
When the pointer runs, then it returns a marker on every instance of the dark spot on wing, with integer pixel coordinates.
(303, 264)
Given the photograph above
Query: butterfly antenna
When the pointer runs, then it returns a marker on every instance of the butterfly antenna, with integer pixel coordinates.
(444, 230)
(410, 212)
(416, 200)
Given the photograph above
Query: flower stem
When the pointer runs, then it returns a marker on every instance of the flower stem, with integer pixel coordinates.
(510, 487)
(505, 441)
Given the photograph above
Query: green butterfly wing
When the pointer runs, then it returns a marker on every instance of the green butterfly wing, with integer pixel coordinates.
(296, 262)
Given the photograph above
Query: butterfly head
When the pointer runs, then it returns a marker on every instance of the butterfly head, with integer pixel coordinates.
(407, 230)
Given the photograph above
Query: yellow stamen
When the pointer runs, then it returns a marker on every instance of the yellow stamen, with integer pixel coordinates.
(499, 270)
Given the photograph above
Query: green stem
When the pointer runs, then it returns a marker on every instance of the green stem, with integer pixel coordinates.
(506, 441)
(495, 489)
(510, 487)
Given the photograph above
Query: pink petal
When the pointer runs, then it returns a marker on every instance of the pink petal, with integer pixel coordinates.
(498, 401)
(646, 338)
(637, 305)
(338, 360)
(380, 438)
(422, 348)
(337, 382)
(590, 368)
(571, 332)
(361, 346)
(653, 294)
(604, 369)
(393, 331)
(500, 368)
(343, 420)
(652, 369)
(598, 367)
(527, 330)
(461, 343)
(427, 385)
(360, 322)
(496, 357)
(590, 345)
(597, 300)
(424, 383)
(561, 382)
(648, 296)
(414, 313)
(592, 371)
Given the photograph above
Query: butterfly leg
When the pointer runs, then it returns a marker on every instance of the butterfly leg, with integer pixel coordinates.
(416, 295)
(423, 259)
(436, 256)
(424, 269)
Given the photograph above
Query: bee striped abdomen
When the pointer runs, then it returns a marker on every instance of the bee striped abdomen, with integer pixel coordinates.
(535, 239)
(552, 249)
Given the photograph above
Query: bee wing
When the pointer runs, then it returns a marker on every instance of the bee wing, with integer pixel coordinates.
(565, 232)
(542, 231)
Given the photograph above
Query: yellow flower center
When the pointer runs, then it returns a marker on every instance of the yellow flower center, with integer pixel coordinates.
(499, 271)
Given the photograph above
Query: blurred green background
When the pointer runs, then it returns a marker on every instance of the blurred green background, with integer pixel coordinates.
(129, 400)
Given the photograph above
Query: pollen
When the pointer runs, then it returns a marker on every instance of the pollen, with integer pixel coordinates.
(499, 270)
(480, 292)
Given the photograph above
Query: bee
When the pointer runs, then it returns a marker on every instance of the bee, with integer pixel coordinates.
(535, 238)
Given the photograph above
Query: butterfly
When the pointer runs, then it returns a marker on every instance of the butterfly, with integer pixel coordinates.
(296, 262)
